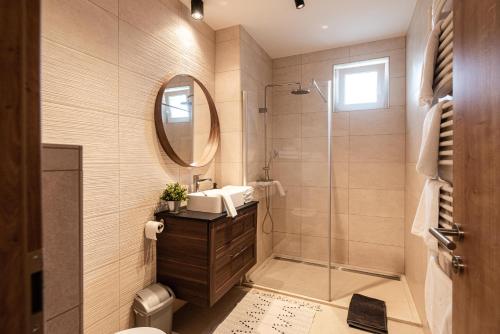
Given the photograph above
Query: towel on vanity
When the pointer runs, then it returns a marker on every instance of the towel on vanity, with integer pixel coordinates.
(427, 163)
(438, 298)
(431, 50)
(427, 214)
(367, 314)
(246, 190)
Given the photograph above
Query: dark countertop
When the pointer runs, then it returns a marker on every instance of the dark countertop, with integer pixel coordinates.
(197, 215)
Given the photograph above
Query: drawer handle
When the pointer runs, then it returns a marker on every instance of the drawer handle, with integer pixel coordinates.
(240, 252)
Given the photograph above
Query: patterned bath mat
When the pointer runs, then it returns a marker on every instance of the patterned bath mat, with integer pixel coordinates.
(262, 312)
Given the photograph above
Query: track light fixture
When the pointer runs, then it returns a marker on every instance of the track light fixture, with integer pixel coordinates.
(197, 9)
(299, 4)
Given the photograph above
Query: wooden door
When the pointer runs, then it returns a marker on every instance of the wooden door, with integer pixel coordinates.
(476, 83)
(20, 205)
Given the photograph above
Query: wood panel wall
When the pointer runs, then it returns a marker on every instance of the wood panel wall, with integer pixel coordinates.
(20, 220)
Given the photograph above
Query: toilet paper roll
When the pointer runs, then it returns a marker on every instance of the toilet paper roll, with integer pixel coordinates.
(152, 228)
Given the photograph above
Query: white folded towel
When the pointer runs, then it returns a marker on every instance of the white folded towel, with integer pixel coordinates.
(279, 187)
(438, 298)
(431, 50)
(427, 163)
(246, 190)
(427, 214)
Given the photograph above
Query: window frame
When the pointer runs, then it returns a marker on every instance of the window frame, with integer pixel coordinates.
(379, 65)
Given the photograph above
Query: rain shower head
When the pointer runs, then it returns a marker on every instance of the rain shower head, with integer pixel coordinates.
(300, 91)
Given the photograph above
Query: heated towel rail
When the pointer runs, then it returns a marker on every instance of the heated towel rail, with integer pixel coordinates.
(448, 232)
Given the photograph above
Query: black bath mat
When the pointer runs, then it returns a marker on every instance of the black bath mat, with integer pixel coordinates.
(368, 314)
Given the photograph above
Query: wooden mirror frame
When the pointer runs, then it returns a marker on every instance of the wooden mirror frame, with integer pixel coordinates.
(213, 138)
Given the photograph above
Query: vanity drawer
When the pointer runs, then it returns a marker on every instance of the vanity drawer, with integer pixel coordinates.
(229, 263)
(231, 228)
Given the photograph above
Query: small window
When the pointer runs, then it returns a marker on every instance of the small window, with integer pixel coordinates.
(177, 104)
(361, 85)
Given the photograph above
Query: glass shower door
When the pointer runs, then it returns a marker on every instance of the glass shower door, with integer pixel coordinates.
(299, 223)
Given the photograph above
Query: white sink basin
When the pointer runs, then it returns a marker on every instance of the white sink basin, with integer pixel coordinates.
(211, 201)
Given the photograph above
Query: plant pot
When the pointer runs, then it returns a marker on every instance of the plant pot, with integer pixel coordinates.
(173, 206)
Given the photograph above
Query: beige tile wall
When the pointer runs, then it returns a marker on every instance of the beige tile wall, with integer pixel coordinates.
(242, 65)
(102, 64)
(415, 251)
(368, 164)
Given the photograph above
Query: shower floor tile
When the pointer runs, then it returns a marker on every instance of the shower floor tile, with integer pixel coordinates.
(312, 281)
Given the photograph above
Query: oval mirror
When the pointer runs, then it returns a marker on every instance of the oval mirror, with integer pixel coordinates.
(186, 121)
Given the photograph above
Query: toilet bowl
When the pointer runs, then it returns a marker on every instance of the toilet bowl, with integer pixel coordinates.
(141, 330)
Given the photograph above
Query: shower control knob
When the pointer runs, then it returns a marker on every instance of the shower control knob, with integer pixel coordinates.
(457, 264)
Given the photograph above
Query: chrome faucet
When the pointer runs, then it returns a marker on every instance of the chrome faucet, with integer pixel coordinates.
(197, 181)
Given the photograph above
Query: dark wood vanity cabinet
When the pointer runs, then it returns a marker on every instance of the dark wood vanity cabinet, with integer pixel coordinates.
(201, 256)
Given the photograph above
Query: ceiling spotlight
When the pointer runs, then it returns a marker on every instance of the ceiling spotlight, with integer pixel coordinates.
(299, 4)
(197, 9)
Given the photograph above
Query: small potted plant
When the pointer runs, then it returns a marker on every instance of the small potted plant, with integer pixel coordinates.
(174, 194)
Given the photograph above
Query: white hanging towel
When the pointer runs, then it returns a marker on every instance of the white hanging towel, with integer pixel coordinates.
(431, 50)
(438, 298)
(427, 214)
(278, 185)
(437, 10)
(228, 202)
(427, 163)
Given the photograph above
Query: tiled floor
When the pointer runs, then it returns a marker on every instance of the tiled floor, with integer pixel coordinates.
(312, 281)
(191, 319)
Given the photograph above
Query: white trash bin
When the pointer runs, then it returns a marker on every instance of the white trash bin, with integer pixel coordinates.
(153, 307)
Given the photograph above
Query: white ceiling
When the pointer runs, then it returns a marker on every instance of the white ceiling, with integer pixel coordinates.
(283, 30)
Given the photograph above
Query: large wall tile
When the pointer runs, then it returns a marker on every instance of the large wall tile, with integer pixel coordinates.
(227, 56)
(377, 230)
(230, 117)
(380, 203)
(340, 200)
(377, 122)
(109, 5)
(375, 175)
(315, 149)
(100, 293)
(314, 125)
(286, 244)
(136, 272)
(286, 126)
(377, 46)
(132, 222)
(100, 189)
(227, 86)
(107, 325)
(100, 241)
(96, 131)
(381, 148)
(314, 248)
(315, 174)
(286, 221)
(144, 54)
(288, 149)
(142, 184)
(64, 71)
(83, 26)
(137, 94)
(379, 257)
